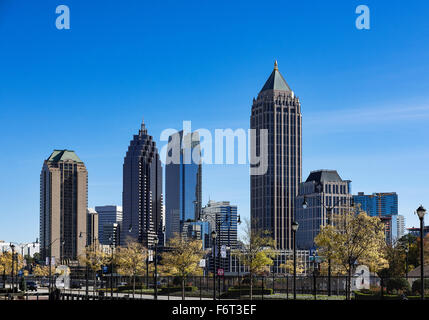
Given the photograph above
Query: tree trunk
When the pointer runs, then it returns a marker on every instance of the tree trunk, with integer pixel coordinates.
(134, 284)
(349, 280)
(251, 286)
(95, 282)
(183, 288)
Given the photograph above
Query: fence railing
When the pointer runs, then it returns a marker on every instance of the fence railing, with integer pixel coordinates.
(320, 287)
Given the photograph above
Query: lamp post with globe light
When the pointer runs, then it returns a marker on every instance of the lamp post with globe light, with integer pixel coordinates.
(421, 213)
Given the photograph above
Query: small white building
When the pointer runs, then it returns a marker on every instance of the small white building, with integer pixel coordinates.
(361, 278)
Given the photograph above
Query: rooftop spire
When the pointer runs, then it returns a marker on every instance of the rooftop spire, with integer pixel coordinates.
(143, 127)
(276, 81)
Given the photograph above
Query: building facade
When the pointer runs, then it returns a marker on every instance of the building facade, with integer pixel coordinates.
(108, 215)
(63, 206)
(182, 182)
(142, 191)
(383, 205)
(92, 227)
(272, 194)
(323, 189)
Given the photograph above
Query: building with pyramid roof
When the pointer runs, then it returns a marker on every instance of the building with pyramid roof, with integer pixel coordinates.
(272, 194)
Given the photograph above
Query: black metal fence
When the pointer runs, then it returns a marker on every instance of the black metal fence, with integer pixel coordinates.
(279, 287)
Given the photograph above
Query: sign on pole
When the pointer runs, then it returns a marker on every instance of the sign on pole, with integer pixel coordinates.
(220, 272)
(223, 251)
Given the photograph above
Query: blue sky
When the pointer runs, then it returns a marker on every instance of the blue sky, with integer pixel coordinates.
(364, 93)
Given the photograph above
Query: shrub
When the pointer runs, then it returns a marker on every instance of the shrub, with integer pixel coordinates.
(417, 284)
(397, 284)
(245, 291)
(178, 289)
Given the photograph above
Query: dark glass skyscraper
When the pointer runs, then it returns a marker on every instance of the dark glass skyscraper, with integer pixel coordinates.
(272, 195)
(142, 191)
(182, 181)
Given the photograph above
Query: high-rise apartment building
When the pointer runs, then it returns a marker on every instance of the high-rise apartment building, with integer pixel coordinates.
(182, 182)
(107, 215)
(63, 206)
(142, 191)
(323, 189)
(383, 205)
(401, 226)
(272, 195)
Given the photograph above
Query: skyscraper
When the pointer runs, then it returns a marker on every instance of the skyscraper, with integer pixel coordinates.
(63, 206)
(142, 191)
(107, 215)
(272, 194)
(322, 189)
(182, 182)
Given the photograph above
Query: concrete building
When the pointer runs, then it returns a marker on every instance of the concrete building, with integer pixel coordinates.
(142, 191)
(92, 228)
(182, 182)
(272, 194)
(383, 205)
(323, 189)
(63, 205)
(108, 215)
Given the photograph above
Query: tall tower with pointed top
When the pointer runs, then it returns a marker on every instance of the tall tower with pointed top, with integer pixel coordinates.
(142, 191)
(272, 195)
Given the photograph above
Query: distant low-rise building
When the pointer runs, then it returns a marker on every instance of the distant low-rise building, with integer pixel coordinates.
(24, 249)
(416, 231)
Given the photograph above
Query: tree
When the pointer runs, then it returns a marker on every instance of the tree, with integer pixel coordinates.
(183, 260)
(131, 260)
(395, 255)
(257, 252)
(6, 263)
(43, 271)
(288, 266)
(353, 238)
(410, 240)
(94, 258)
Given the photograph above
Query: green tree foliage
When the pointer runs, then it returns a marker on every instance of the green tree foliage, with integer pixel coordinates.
(257, 252)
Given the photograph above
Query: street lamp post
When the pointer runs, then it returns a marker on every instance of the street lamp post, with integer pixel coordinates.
(421, 213)
(214, 263)
(50, 264)
(295, 226)
(156, 241)
(407, 250)
(86, 264)
(13, 259)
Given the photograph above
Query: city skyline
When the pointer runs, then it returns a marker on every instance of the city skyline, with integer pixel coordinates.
(364, 109)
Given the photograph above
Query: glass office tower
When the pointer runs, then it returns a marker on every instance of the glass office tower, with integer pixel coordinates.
(182, 182)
